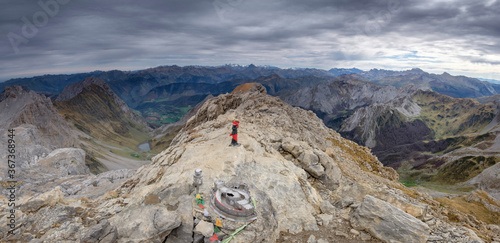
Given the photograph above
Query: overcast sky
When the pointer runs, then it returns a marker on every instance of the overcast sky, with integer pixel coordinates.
(67, 36)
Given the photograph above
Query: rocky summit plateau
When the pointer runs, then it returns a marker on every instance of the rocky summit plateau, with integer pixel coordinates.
(309, 185)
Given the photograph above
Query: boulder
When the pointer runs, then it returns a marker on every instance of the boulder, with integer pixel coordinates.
(310, 163)
(205, 228)
(325, 219)
(184, 233)
(388, 223)
(49, 198)
(67, 231)
(102, 232)
(150, 223)
(63, 162)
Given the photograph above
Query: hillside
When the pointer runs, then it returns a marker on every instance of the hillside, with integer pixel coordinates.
(453, 86)
(489, 99)
(131, 86)
(306, 181)
(39, 129)
(94, 109)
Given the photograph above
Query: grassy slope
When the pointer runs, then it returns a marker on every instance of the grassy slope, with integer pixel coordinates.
(449, 117)
(464, 169)
(97, 115)
(161, 143)
(470, 207)
(455, 123)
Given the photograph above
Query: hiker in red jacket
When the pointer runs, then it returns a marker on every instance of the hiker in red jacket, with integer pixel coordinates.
(234, 133)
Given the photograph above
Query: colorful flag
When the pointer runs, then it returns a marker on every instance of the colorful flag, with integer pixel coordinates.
(214, 237)
(218, 223)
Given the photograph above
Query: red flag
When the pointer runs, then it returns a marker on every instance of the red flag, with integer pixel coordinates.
(214, 237)
(201, 206)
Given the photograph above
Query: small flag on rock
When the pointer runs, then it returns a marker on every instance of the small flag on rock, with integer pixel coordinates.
(216, 229)
(218, 223)
(199, 201)
(214, 237)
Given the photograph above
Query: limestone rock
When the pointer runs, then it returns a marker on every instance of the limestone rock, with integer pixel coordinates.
(102, 232)
(67, 231)
(327, 208)
(205, 228)
(64, 161)
(387, 222)
(325, 219)
(184, 233)
(150, 223)
(312, 239)
(488, 180)
(311, 164)
(50, 198)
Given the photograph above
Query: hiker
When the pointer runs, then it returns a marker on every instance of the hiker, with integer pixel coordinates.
(234, 133)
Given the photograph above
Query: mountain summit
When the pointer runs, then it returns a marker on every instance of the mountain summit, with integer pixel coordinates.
(306, 181)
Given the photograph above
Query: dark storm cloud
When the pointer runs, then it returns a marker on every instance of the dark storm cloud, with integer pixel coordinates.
(128, 34)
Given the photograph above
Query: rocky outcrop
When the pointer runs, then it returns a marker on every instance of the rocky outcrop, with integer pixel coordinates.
(97, 111)
(150, 223)
(39, 129)
(62, 162)
(488, 180)
(20, 106)
(387, 222)
(75, 89)
(446, 84)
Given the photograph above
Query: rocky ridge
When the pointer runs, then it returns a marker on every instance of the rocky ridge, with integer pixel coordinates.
(39, 129)
(74, 89)
(306, 179)
(48, 151)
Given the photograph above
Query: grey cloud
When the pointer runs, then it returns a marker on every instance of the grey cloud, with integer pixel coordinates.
(144, 33)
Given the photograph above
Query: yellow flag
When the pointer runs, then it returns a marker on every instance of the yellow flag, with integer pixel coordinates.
(198, 196)
(218, 223)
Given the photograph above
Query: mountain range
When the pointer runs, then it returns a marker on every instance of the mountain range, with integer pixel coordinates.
(393, 112)
(134, 87)
(426, 126)
(306, 182)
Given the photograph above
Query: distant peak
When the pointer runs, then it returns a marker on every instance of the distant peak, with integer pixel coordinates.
(76, 88)
(250, 87)
(93, 80)
(13, 91)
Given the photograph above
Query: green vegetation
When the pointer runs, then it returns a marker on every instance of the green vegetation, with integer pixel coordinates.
(160, 144)
(160, 113)
(94, 165)
(447, 116)
(463, 169)
(409, 183)
(474, 208)
(96, 113)
(335, 121)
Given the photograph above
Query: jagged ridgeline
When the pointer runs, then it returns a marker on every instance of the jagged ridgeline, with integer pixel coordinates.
(307, 181)
(96, 110)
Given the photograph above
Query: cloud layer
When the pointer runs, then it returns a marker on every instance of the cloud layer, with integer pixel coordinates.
(66, 36)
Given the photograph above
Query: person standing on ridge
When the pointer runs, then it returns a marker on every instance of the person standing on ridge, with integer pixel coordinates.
(234, 133)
